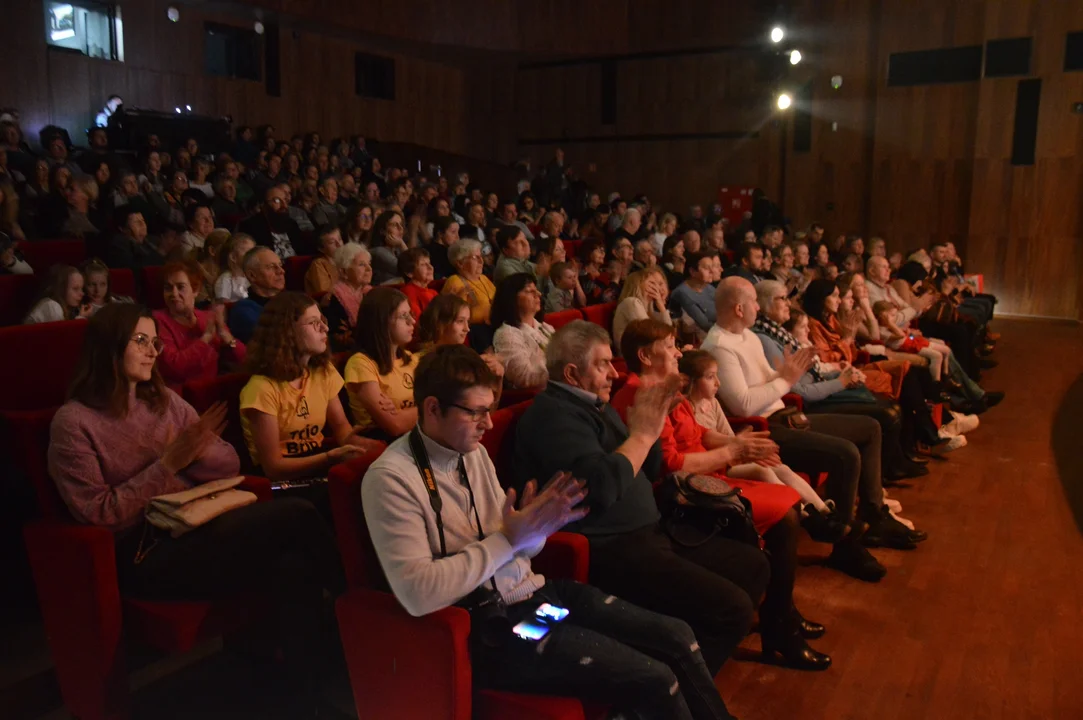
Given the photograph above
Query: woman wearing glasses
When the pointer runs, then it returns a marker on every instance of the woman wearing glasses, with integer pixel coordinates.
(293, 394)
(380, 375)
(195, 342)
(125, 438)
(388, 242)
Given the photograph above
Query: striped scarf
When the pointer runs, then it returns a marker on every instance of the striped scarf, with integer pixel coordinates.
(770, 328)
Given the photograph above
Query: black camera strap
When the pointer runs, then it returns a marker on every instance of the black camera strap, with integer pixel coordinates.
(421, 456)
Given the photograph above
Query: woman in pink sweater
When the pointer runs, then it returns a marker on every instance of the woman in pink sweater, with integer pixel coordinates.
(124, 438)
(195, 343)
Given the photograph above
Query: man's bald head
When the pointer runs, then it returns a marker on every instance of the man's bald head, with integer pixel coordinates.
(735, 303)
(878, 269)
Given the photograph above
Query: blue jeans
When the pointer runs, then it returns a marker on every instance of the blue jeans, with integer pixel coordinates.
(973, 390)
(606, 651)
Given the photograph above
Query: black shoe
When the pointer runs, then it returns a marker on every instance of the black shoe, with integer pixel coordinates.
(992, 398)
(904, 469)
(825, 527)
(809, 630)
(887, 532)
(786, 642)
(987, 364)
(851, 557)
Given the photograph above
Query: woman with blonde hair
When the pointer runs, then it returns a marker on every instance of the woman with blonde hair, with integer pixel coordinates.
(232, 284)
(207, 258)
(96, 285)
(643, 296)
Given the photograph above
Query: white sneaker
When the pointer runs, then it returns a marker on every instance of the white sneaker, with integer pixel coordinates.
(966, 423)
(954, 444)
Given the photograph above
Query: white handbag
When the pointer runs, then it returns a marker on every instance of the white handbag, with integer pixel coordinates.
(183, 511)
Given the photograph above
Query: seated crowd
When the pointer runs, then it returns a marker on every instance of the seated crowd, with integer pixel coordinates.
(435, 297)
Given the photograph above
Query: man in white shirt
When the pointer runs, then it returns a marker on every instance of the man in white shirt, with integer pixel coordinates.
(878, 272)
(847, 447)
(607, 649)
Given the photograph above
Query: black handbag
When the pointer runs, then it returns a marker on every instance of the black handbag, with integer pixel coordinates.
(696, 508)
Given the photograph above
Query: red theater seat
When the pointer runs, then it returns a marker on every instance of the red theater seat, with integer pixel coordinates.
(296, 267)
(43, 254)
(387, 650)
(122, 282)
(562, 318)
(601, 315)
(153, 285)
(86, 618)
(17, 294)
(201, 394)
(38, 363)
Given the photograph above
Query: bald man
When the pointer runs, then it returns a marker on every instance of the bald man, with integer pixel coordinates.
(847, 447)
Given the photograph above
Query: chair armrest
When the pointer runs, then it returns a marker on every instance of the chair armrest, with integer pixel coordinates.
(565, 555)
(793, 400)
(862, 358)
(75, 572)
(390, 654)
(759, 424)
(258, 486)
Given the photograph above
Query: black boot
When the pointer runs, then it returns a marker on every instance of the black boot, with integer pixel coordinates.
(850, 556)
(825, 527)
(809, 630)
(782, 639)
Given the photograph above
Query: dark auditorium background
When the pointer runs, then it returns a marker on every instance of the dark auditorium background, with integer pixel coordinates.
(683, 86)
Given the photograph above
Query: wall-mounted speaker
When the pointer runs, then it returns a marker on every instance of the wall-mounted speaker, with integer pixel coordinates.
(934, 67)
(1004, 58)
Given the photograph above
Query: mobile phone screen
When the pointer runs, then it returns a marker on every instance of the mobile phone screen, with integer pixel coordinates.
(551, 613)
(530, 631)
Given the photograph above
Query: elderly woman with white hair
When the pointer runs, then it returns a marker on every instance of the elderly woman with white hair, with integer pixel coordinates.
(342, 302)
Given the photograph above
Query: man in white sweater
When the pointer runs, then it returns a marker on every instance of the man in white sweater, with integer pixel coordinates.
(607, 649)
(847, 447)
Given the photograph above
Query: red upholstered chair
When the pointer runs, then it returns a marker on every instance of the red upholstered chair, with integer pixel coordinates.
(43, 254)
(296, 267)
(87, 619)
(794, 400)
(38, 362)
(571, 248)
(562, 318)
(122, 282)
(387, 650)
(153, 286)
(515, 396)
(601, 315)
(17, 294)
(437, 284)
(201, 394)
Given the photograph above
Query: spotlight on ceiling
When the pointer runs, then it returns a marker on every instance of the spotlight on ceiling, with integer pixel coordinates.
(258, 27)
(795, 57)
(172, 13)
(777, 34)
(784, 101)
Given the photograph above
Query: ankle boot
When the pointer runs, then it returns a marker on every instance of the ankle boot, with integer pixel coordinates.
(782, 639)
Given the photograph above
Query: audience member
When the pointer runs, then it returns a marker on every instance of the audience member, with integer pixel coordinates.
(520, 338)
(514, 254)
(695, 297)
(468, 281)
(266, 279)
(293, 394)
(61, 297)
(272, 227)
(643, 296)
(380, 374)
(358, 225)
(750, 264)
(232, 284)
(11, 260)
(195, 343)
(96, 285)
(415, 268)
(640, 661)
(343, 302)
(322, 274)
(386, 245)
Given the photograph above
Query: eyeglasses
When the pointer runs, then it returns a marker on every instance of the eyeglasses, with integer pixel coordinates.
(144, 341)
(475, 415)
(316, 324)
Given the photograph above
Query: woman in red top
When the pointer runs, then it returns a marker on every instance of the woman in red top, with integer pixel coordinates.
(195, 343)
(416, 270)
(649, 349)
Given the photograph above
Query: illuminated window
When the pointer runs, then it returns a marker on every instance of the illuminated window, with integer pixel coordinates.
(85, 27)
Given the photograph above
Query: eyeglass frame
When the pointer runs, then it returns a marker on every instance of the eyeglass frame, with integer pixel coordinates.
(472, 413)
(144, 341)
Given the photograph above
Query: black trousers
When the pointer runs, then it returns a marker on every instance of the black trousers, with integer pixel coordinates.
(885, 412)
(847, 448)
(607, 650)
(283, 550)
(715, 588)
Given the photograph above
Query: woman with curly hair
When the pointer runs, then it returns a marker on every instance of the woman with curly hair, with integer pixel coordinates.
(380, 375)
(293, 394)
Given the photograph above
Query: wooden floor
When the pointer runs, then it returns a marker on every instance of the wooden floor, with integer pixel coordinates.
(985, 619)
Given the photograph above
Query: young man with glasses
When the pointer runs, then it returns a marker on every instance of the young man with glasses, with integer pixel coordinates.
(475, 552)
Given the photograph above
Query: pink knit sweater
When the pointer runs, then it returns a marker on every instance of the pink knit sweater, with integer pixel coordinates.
(107, 468)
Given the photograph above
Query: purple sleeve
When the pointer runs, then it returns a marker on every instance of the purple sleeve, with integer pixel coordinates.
(76, 467)
(218, 461)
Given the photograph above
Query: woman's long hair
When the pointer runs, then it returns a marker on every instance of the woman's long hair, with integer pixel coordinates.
(274, 351)
(99, 381)
(813, 302)
(441, 312)
(374, 316)
(55, 287)
(505, 309)
(379, 227)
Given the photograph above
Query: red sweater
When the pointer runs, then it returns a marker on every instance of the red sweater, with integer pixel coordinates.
(418, 296)
(184, 354)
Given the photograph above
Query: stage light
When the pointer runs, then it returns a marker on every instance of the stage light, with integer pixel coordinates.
(777, 34)
(172, 13)
(836, 81)
(258, 27)
(188, 108)
(784, 101)
(178, 110)
(795, 57)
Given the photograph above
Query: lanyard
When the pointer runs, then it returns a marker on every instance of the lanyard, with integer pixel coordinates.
(417, 447)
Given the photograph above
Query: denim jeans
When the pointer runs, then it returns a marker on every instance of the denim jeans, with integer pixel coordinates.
(607, 651)
(973, 390)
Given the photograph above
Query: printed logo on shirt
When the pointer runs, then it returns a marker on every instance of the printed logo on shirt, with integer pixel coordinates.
(303, 440)
(282, 245)
(408, 382)
(302, 408)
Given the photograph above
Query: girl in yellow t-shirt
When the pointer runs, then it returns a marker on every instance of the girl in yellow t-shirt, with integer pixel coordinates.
(293, 394)
(380, 376)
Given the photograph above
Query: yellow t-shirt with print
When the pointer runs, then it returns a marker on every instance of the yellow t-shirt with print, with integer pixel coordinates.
(398, 385)
(301, 412)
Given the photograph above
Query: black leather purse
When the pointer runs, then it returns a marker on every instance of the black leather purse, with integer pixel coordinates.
(697, 508)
